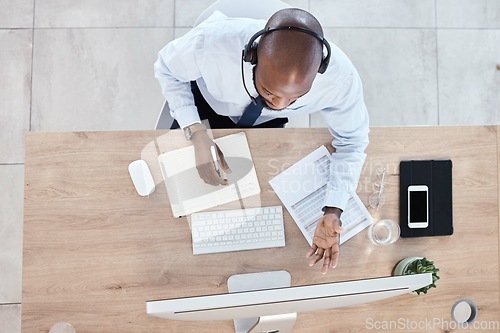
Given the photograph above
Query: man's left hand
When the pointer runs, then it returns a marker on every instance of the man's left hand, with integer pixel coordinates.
(326, 240)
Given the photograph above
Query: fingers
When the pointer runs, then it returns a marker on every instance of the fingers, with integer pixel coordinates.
(330, 254)
(313, 249)
(222, 161)
(327, 261)
(209, 175)
(331, 259)
(214, 173)
(207, 162)
(207, 156)
(319, 254)
(335, 256)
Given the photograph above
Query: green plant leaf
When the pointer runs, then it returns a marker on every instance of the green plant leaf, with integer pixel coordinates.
(423, 265)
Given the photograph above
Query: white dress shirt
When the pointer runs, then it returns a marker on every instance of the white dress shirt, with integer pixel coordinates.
(211, 54)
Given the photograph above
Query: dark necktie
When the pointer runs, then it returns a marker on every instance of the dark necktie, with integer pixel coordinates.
(251, 113)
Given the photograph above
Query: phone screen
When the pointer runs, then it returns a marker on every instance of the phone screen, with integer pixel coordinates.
(418, 206)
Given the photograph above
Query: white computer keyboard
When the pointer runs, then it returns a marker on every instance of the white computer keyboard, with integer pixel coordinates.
(237, 230)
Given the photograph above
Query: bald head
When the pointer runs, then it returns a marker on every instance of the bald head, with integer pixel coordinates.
(288, 60)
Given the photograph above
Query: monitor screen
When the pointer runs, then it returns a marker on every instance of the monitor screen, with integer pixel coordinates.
(282, 300)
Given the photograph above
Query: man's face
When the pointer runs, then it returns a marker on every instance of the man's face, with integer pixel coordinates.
(279, 90)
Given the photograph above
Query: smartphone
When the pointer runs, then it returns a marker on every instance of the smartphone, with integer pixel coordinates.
(418, 206)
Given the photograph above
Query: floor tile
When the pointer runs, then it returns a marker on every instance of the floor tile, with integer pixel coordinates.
(110, 13)
(398, 70)
(185, 16)
(179, 32)
(96, 79)
(16, 14)
(10, 318)
(468, 78)
(469, 14)
(374, 13)
(301, 121)
(302, 4)
(11, 232)
(15, 92)
(316, 120)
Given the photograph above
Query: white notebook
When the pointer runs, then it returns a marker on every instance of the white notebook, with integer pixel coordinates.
(189, 194)
(302, 189)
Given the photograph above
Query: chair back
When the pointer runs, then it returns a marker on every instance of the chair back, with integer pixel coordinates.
(255, 9)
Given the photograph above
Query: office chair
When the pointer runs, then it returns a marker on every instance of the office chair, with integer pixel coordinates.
(256, 9)
(165, 119)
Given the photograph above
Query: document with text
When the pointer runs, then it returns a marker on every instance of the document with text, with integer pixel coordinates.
(302, 189)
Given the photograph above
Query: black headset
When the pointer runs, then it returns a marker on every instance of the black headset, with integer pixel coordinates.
(250, 50)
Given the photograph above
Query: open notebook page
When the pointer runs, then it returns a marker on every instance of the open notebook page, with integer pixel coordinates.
(186, 190)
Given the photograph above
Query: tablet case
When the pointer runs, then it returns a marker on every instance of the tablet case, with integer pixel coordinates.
(437, 176)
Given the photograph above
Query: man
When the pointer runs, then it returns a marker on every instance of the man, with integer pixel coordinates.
(282, 76)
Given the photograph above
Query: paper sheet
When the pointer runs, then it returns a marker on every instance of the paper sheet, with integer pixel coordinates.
(302, 189)
(186, 190)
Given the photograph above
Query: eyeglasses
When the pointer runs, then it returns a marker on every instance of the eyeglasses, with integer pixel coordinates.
(377, 198)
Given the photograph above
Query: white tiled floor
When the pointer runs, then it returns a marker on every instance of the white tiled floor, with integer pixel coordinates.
(375, 13)
(469, 82)
(87, 65)
(95, 13)
(15, 61)
(110, 74)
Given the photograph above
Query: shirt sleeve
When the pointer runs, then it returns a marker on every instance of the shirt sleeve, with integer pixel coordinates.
(175, 68)
(348, 122)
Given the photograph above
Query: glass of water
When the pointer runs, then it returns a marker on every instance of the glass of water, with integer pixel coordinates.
(384, 232)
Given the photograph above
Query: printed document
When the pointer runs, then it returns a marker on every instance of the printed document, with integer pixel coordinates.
(302, 189)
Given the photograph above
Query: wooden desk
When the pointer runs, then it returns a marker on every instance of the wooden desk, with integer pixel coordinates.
(95, 252)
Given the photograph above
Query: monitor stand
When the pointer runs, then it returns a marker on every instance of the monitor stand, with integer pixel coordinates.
(282, 323)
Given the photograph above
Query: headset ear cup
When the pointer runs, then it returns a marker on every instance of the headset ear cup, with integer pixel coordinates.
(252, 54)
(323, 66)
(326, 59)
(246, 53)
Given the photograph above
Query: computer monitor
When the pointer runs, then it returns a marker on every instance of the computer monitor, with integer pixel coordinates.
(265, 302)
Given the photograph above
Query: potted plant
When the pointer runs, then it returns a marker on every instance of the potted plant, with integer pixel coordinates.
(418, 265)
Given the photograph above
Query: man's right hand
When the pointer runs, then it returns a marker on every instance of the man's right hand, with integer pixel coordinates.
(204, 162)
